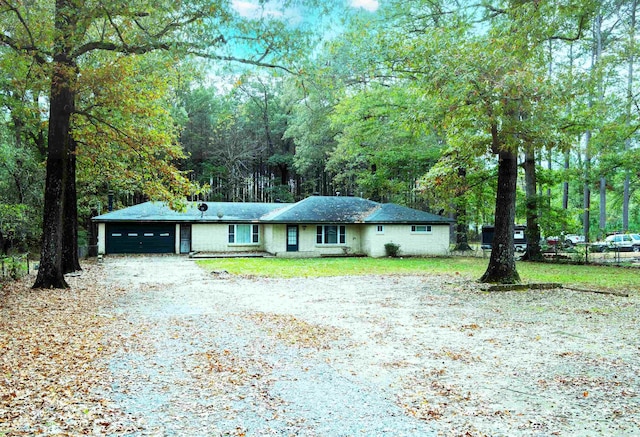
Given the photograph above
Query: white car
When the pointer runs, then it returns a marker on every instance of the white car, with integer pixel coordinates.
(571, 240)
(621, 242)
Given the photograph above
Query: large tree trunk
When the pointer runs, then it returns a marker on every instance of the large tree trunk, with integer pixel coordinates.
(502, 265)
(534, 253)
(59, 152)
(50, 271)
(70, 261)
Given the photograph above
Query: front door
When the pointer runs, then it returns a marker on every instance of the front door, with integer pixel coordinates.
(292, 238)
(185, 238)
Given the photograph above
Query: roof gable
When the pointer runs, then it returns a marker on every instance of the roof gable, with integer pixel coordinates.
(392, 213)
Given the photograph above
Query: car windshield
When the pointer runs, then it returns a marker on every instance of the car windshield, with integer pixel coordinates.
(635, 236)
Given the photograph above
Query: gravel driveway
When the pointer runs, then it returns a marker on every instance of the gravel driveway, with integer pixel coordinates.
(212, 354)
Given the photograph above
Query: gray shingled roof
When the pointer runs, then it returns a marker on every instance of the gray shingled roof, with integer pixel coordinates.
(160, 212)
(392, 213)
(325, 209)
(315, 209)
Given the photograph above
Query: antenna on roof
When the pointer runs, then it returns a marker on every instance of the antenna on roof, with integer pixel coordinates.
(203, 207)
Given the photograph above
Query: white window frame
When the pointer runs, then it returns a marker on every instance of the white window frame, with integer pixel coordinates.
(416, 229)
(322, 235)
(380, 229)
(233, 233)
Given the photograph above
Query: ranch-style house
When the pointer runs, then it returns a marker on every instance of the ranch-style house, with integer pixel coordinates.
(316, 226)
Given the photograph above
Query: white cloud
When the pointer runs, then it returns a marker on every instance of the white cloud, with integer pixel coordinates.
(369, 5)
(251, 9)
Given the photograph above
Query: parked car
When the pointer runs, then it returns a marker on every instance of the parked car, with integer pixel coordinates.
(571, 240)
(519, 237)
(568, 240)
(553, 240)
(621, 242)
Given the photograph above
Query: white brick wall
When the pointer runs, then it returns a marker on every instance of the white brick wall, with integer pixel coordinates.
(213, 237)
(411, 243)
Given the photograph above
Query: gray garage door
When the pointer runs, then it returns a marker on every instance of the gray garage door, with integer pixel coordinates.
(140, 238)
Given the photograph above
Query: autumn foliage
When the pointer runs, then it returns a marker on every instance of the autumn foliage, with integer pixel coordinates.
(53, 376)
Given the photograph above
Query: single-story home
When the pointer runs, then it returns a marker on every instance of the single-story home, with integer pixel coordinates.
(315, 226)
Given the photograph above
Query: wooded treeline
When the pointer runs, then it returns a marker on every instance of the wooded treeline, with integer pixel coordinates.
(494, 112)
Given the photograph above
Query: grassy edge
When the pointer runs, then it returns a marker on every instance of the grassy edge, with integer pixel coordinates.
(589, 276)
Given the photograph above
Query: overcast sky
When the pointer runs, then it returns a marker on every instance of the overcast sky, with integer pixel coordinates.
(251, 9)
(369, 5)
(294, 16)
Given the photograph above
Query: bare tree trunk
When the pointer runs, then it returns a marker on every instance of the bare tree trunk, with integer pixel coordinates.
(565, 184)
(50, 272)
(534, 253)
(60, 159)
(603, 181)
(595, 58)
(550, 168)
(586, 198)
(462, 224)
(603, 205)
(626, 196)
(567, 153)
(70, 261)
(502, 265)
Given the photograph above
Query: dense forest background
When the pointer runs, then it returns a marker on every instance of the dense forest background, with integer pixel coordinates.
(402, 101)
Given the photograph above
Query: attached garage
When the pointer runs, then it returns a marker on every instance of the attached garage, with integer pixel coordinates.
(140, 238)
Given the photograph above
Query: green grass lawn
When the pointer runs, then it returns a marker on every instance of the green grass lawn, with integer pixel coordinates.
(579, 275)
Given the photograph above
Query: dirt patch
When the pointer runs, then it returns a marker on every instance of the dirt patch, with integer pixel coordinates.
(378, 355)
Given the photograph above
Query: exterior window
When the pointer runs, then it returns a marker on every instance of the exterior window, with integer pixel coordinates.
(380, 229)
(421, 229)
(244, 234)
(331, 234)
(116, 234)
